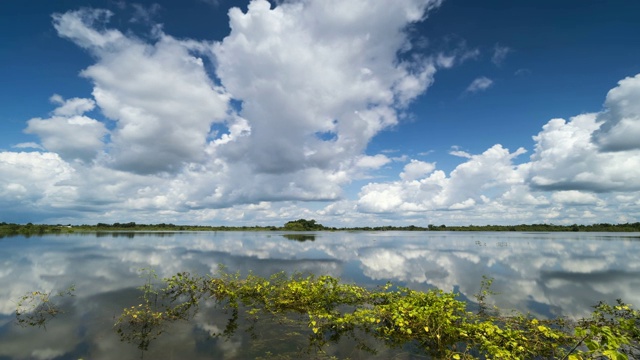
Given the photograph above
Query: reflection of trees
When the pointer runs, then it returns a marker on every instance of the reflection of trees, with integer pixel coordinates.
(300, 237)
(132, 234)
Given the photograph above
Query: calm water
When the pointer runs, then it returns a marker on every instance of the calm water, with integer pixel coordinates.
(547, 274)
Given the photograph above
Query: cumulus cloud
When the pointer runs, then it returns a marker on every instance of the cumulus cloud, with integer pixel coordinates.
(416, 169)
(33, 180)
(341, 59)
(479, 84)
(283, 110)
(620, 129)
(490, 171)
(373, 162)
(159, 94)
(75, 106)
(312, 83)
(580, 169)
(69, 133)
(566, 158)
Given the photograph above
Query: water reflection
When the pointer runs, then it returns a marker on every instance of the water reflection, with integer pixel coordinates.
(545, 274)
(300, 237)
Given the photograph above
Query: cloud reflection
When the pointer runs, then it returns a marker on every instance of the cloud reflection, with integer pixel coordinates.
(545, 274)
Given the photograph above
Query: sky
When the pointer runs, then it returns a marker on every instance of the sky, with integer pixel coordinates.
(349, 112)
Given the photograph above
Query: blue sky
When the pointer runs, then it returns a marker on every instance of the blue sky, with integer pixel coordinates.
(349, 112)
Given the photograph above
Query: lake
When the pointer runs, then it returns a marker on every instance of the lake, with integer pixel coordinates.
(545, 274)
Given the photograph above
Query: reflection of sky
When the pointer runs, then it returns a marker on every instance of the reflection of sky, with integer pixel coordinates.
(546, 274)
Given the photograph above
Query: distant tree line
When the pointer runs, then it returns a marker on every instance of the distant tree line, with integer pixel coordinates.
(8, 229)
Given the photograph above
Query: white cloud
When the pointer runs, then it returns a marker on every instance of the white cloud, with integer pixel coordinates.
(499, 54)
(312, 83)
(574, 197)
(75, 106)
(373, 162)
(315, 80)
(416, 169)
(463, 205)
(317, 67)
(570, 177)
(78, 26)
(455, 151)
(34, 181)
(620, 128)
(69, 133)
(330, 67)
(445, 61)
(28, 145)
(566, 158)
(491, 171)
(159, 94)
(479, 84)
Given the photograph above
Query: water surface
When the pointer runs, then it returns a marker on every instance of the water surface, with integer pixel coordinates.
(546, 274)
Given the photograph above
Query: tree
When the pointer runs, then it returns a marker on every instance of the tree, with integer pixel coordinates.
(303, 225)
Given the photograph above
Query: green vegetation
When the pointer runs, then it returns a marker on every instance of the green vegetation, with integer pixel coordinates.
(9, 229)
(38, 307)
(321, 311)
(433, 323)
(303, 225)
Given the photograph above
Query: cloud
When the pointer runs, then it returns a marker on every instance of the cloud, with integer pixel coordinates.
(480, 84)
(341, 60)
(620, 129)
(33, 181)
(281, 112)
(318, 67)
(159, 95)
(78, 26)
(575, 197)
(373, 162)
(311, 82)
(69, 133)
(570, 177)
(77, 137)
(566, 158)
(445, 61)
(499, 54)
(144, 14)
(455, 151)
(75, 106)
(416, 169)
(28, 145)
(429, 190)
(455, 52)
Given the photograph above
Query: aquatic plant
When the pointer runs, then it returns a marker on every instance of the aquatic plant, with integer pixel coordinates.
(433, 322)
